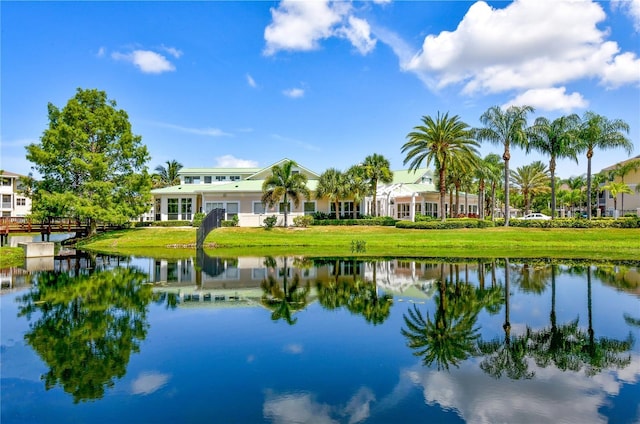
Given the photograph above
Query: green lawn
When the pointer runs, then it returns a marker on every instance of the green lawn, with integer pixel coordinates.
(615, 244)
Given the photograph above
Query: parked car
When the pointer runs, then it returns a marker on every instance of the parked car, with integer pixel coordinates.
(536, 215)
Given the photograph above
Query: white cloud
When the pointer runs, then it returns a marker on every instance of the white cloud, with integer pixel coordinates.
(358, 33)
(294, 93)
(251, 81)
(293, 348)
(296, 408)
(527, 45)
(147, 383)
(212, 132)
(301, 25)
(172, 51)
(359, 406)
(147, 61)
(550, 99)
(229, 161)
(101, 52)
(631, 8)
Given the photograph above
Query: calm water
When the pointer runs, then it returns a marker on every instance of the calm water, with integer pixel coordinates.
(293, 340)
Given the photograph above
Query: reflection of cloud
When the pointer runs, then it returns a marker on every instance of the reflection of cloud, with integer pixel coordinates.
(552, 396)
(296, 408)
(358, 407)
(148, 382)
(293, 348)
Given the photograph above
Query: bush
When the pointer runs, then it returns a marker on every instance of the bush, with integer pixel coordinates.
(303, 221)
(379, 221)
(450, 223)
(140, 224)
(270, 222)
(172, 223)
(198, 218)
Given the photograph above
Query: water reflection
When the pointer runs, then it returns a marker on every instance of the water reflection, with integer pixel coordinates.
(488, 335)
(86, 326)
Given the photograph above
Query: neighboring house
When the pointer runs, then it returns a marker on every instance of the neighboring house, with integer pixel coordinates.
(631, 201)
(414, 192)
(236, 190)
(13, 204)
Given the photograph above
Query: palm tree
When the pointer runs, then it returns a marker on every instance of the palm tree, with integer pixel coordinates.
(616, 188)
(357, 184)
(494, 171)
(531, 180)
(624, 169)
(167, 176)
(284, 183)
(506, 128)
(376, 169)
(598, 132)
(448, 142)
(556, 139)
(332, 185)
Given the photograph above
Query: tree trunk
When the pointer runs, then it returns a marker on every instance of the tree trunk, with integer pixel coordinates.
(443, 193)
(506, 156)
(552, 170)
(589, 154)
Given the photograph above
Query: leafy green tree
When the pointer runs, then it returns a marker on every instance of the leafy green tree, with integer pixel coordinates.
(615, 188)
(166, 176)
(86, 327)
(506, 127)
(284, 301)
(91, 165)
(531, 180)
(376, 170)
(598, 132)
(284, 184)
(556, 139)
(447, 142)
(332, 185)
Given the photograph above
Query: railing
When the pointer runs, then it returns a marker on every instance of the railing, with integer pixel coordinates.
(210, 222)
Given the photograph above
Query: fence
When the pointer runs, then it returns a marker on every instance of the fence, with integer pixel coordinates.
(210, 222)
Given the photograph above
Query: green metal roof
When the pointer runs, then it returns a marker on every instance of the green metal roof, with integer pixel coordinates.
(243, 186)
(226, 171)
(408, 177)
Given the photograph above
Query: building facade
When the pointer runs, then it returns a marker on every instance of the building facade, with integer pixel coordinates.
(14, 204)
(624, 203)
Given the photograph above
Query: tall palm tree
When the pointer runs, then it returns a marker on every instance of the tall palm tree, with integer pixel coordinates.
(332, 185)
(616, 188)
(494, 169)
(531, 180)
(624, 169)
(556, 139)
(377, 170)
(506, 127)
(284, 183)
(166, 176)
(445, 141)
(357, 183)
(598, 132)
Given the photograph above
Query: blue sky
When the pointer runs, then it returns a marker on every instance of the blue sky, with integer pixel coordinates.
(238, 83)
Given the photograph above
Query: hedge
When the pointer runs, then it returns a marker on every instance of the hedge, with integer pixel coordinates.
(381, 221)
(172, 223)
(451, 223)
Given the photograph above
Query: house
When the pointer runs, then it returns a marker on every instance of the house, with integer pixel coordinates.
(239, 192)
(627, 203)
(236, 190)
(414, 192)
(14, 204)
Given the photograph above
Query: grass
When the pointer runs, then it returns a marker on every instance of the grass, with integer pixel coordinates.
(11, 257)
(601, 244)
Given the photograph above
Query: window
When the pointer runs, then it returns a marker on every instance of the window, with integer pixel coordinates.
(209, 206)
(6, 201)
(186, 208)
(258, 208)
(188, 180)
(404, 210)
(221, 177)
(309, 208)
(235, 178)
(281, 207)
(418, 208)
(172, 208)
(6, 182)
(431, 209)
(207, 179)
(21, 201)
(196, 180)
(348, 209)
(232, 209)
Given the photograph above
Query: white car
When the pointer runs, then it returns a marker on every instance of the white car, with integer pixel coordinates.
(536, 215)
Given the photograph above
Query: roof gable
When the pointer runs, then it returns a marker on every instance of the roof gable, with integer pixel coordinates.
(265, 172)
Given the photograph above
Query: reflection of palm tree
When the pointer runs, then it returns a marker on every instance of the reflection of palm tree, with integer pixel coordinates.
(87, 327)
(603, 352)
(286, 300)
(533, 278)
(509, 356)
(450, 337)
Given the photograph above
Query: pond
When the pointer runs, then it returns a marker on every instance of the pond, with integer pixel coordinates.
(93, 338)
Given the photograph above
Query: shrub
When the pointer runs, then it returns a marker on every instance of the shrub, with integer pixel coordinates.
(198, 218)
(172, 223)
(303, 221)
(380, 221)
(270, 222)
